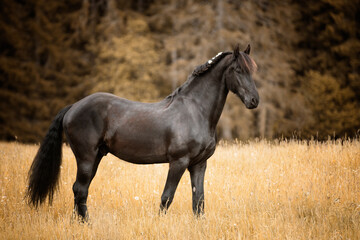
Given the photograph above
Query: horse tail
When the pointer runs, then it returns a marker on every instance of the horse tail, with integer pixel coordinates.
(45, 170)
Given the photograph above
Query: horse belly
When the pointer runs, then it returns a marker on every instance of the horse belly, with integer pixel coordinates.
(144, 147)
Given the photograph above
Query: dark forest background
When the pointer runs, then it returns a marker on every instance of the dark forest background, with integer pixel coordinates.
(53, 53)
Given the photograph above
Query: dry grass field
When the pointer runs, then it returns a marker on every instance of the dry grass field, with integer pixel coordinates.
(257, 190)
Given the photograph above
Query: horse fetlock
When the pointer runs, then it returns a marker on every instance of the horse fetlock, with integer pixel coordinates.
(166, 201)
(198, 207)
(80, 213)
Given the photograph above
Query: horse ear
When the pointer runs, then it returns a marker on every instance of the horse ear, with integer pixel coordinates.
(247, 50)
(236, 51)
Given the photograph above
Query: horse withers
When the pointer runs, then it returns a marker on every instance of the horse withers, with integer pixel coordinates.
(179, 130)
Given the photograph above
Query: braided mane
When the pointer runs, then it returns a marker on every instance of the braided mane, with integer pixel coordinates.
(209, 64)
(244, 61)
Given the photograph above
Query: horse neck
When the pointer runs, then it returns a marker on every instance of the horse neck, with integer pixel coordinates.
(209, 91)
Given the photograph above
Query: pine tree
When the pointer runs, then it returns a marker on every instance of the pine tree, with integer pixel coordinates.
(331, 50)
(40, 70)
(334, 112)
(128, 61)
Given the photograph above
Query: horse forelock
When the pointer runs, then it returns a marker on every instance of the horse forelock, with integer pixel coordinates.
(246, 63)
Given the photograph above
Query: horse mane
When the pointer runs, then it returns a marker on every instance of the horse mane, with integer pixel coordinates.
(244, 61)
(199, 70)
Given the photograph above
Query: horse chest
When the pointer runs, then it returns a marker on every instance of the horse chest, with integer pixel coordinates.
(204, 152)
(196, 148)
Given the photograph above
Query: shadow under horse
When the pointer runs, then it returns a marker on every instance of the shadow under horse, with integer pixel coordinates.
(179, 130)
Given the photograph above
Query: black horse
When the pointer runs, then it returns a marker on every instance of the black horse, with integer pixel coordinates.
(179, 130)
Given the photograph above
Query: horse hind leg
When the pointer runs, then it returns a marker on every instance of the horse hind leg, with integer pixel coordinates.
(86, 169)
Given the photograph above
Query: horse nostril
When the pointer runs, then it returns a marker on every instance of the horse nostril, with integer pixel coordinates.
(254, 101)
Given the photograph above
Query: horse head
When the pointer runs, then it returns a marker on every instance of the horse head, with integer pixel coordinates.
(238, 77)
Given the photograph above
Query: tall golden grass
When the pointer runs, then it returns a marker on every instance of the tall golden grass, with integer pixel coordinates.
(257, 190)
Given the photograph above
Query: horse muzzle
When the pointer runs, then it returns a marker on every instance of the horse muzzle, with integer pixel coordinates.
(253, 103)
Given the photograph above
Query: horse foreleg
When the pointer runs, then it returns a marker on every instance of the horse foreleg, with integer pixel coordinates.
(197, 174)
(176, 170)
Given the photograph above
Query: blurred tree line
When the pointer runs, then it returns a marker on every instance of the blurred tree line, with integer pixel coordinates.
(53, 53)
